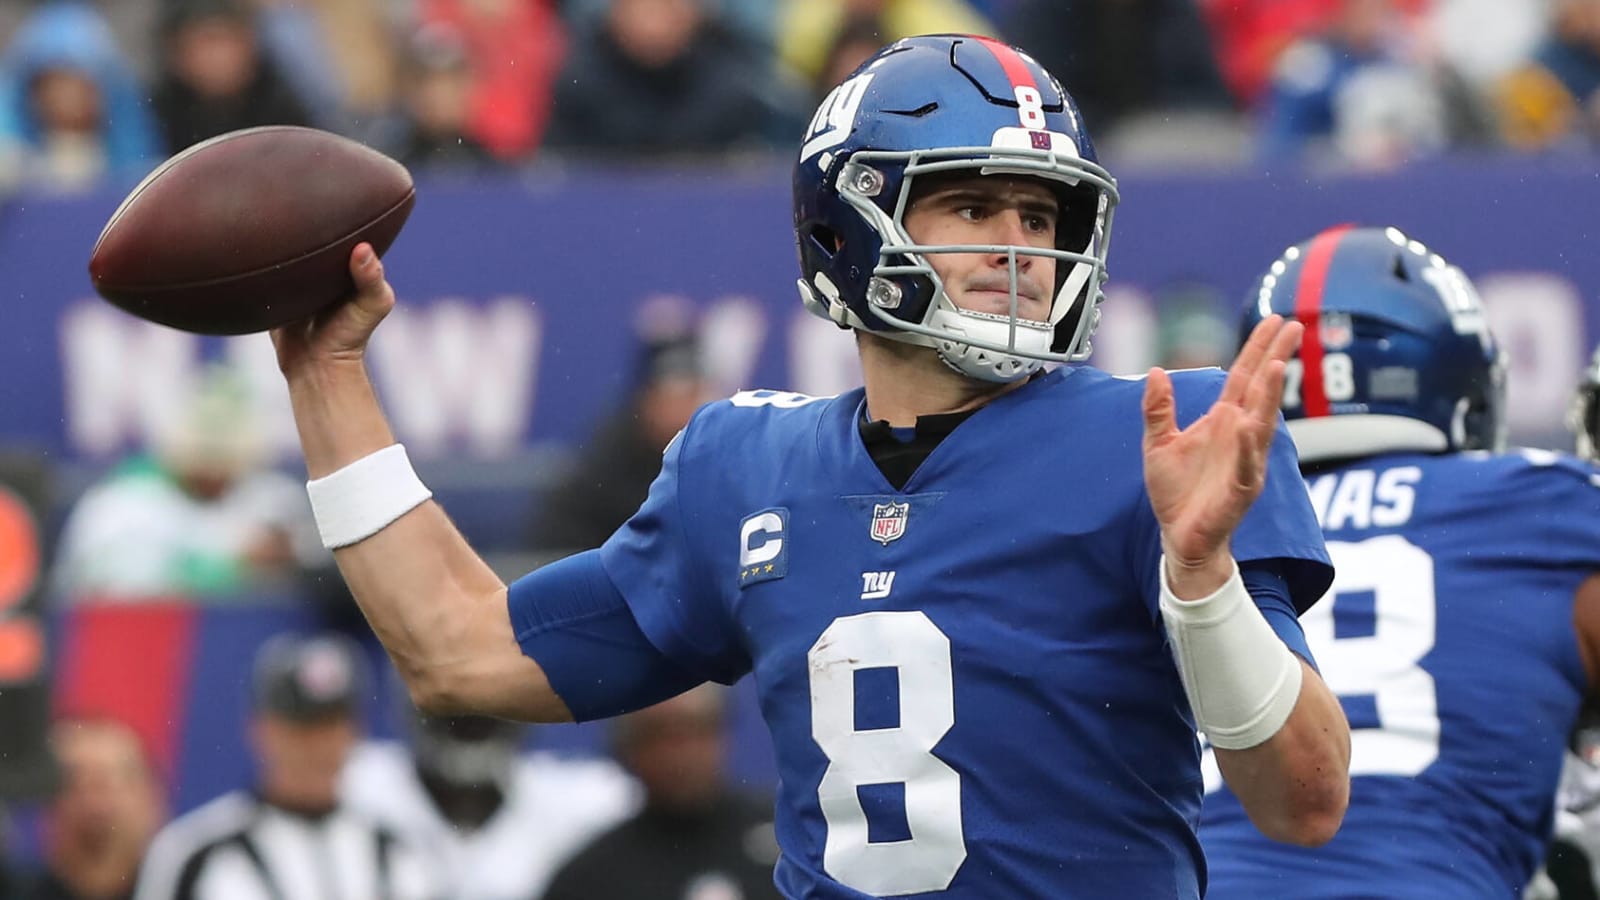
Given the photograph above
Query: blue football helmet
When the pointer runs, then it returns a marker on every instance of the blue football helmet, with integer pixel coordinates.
(1585, 418)
(1397, 353)
(942, 105)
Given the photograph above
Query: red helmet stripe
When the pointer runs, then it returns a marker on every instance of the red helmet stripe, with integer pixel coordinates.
(1011, 61)
(1308, 310)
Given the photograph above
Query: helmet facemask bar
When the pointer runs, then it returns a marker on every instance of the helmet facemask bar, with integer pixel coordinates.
(1018, 346)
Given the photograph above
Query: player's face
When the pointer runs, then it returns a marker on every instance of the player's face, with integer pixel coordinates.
(990, 210)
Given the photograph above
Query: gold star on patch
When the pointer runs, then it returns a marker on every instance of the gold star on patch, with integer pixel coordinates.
(769, 567)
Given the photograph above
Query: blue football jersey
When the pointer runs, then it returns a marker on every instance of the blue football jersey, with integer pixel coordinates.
(1448, 637)
(967, 681)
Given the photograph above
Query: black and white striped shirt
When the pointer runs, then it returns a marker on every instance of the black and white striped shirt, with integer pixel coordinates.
(238, 847)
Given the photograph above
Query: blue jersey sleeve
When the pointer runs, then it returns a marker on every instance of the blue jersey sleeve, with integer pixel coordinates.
(1282, 526)
(1558, 520)
(1270, 590)
(569, 618)
(661, 565)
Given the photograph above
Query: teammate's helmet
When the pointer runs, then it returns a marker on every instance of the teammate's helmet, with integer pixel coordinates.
(947, 104)
(1397, 353)
(1585, 418)
(466, 751)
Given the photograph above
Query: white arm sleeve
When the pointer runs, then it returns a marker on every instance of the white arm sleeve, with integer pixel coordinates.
(1241, 679)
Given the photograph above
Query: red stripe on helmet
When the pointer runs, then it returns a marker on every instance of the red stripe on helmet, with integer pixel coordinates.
(1016, 68)
(1308, 311)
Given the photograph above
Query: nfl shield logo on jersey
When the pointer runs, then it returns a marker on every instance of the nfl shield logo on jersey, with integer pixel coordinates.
(889, 521)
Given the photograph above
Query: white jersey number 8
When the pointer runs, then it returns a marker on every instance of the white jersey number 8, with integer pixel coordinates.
(1383, 665)
(911, 644)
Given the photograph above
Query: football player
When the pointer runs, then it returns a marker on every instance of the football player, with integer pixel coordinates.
(1585, 418)
(1462, 631)
(986, 603)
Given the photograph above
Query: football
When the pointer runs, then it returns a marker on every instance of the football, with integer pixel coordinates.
(249, 230)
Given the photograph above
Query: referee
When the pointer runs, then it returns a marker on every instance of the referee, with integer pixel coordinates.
(288, 839)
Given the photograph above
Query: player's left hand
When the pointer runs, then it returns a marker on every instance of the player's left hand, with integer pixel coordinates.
(1202, 479)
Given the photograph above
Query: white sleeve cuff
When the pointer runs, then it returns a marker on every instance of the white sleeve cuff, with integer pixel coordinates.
(1241, 679)
(361, 499)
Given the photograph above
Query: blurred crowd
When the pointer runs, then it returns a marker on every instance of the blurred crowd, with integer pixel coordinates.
(450, 809)
(462, 807)
(109, 88)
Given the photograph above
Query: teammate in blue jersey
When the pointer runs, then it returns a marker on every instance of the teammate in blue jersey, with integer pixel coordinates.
(1462, 630)
(980, 677)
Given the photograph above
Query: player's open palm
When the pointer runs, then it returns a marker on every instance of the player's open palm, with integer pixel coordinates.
(1202, 479)
(339, 333)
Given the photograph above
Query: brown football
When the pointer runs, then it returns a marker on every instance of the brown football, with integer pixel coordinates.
(249, 230)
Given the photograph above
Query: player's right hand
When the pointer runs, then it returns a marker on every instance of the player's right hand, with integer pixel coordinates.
(338, 335)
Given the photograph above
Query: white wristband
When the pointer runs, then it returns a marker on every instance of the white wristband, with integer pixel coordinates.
(1242, 680)
(362, 498)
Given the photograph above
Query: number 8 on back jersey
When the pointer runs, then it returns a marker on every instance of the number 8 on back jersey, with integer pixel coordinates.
(1448, 636)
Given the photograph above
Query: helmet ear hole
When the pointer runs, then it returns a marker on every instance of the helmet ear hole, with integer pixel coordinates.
(824, 239)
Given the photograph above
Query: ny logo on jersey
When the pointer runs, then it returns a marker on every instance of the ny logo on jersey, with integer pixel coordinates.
(762, 554)
(876, 585)
(889, 521)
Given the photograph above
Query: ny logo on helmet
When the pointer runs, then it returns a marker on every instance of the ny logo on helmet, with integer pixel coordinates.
(834, 118)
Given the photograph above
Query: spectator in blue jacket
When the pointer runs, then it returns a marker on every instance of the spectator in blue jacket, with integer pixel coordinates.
(1354, 93)
(71, 110)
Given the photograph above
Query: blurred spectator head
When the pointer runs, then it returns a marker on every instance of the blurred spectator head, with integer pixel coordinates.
(1578, 22)
(856, 41)
(307, 694)
(1388, 114)
(438, 82)
(65, 100)
(215, 439)
(212, 46)
(669, 384)
(108, 806)
(676, 749)
(1365, 25)
(655, 33)
(865, 8)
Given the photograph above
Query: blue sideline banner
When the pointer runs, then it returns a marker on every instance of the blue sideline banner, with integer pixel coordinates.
(519, 297)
